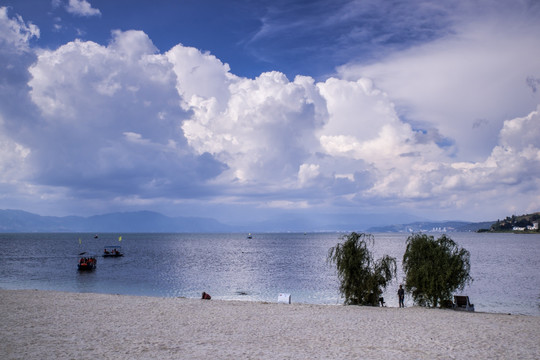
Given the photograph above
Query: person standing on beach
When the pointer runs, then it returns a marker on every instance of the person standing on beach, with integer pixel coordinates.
(401, 296)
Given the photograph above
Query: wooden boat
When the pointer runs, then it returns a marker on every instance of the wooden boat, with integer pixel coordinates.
(112, 251)
(87, 263)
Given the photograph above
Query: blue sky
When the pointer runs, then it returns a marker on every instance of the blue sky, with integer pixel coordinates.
(252, 110)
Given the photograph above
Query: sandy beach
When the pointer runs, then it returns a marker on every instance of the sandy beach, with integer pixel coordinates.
(58, 325)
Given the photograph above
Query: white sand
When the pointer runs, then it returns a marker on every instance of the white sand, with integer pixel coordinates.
(56, 325)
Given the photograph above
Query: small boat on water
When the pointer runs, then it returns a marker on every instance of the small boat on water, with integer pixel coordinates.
(87, 263)
(250, 236)
(112, 251)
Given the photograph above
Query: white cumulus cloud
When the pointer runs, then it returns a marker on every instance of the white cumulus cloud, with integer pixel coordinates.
(262, 128)
(439, 128)
(81, 8)
(465, 84)
(111, 120)
(15, 32)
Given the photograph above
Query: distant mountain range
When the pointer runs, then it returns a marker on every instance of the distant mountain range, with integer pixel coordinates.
(148, 221)
(140, 221)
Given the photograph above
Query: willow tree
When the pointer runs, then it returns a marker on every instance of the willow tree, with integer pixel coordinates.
(362, 278)
(434, 269)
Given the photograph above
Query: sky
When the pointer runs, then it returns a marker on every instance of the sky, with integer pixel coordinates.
(248, 110)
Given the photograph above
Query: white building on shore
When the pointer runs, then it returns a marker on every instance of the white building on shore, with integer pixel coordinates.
(534, 226)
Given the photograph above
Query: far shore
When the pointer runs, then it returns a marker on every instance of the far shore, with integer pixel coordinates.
(50, 324)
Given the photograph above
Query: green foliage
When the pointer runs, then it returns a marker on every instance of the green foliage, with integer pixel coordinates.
(362, 278)
(509, 222)
(434, 269)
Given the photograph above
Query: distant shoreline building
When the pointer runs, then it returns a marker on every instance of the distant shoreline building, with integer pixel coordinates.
(534, 226)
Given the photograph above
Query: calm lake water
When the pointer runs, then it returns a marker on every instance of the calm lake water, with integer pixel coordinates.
(505, 267)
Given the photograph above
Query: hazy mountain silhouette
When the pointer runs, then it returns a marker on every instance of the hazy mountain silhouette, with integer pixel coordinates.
(149, 221)
(140, 221)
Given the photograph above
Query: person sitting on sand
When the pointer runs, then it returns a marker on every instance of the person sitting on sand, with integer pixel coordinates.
(206, 296)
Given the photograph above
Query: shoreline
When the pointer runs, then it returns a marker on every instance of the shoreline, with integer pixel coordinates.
(48, 324)
(392, 304)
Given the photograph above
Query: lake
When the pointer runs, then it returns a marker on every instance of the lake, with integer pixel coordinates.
(505, 267)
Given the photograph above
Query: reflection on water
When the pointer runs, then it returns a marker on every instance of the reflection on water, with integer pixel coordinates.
(505, 267)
